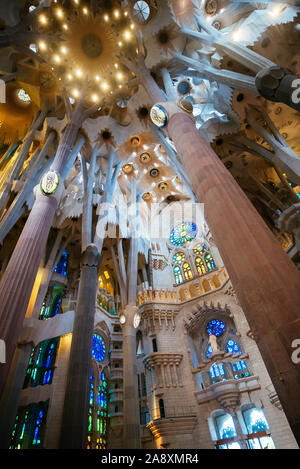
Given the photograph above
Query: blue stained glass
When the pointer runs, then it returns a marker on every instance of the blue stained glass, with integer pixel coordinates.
(217, 371)
(62, 265)
(215, 327)
(209, 351)
(98, 348)
(183, 233)
(233, 347)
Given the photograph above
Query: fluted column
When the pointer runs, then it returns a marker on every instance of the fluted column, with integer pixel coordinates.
(19, 276)
(75, 416)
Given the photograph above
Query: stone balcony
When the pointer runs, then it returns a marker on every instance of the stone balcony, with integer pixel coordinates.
(186, 291)
(227, 392)
(175, 420)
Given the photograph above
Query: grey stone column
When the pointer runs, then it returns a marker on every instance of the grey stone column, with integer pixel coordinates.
(131, 419)
(75, 416)
(280, 85)
(12, 392)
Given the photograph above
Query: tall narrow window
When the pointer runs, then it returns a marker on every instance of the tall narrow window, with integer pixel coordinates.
(201, 268)
(240, 367)
(97, 418)
(210, 262)
(28, 431)
(62, 265)
(178, 275)
(187, 271)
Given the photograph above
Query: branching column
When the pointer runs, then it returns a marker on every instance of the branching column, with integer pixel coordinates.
(18, 279)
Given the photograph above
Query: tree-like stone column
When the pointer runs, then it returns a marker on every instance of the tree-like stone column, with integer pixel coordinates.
(75, 417)
(18, 279)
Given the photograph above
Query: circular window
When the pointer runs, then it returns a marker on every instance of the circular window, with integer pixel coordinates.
(98, 348)
(183, 233)
(215, 327)
(141, 11)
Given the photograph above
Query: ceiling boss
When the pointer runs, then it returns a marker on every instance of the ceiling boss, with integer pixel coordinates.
(84, 44)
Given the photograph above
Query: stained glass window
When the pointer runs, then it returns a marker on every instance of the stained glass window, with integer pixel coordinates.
(200, 266)
(187, 271)
(200, 249)
(29, 426)
(255, 420)
(97, 419)
(225, 426)
(98, 348)
(183, 233)
(53, 302)
(62, 265)
(40, 368)
(209, 351)
(217, 372)
(178, 275)
(215, 327)
(178, 258)
(232, 347)
(210, 262)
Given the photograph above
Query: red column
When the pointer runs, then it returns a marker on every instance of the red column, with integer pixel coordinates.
(266, 281)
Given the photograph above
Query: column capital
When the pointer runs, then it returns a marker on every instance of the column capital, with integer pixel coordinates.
(90, 257)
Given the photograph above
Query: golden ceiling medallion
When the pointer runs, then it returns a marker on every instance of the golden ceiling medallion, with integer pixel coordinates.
(128, 168)
(135, 141)
(163, 186)
(90, 47)
(147, 196)
(211, 7)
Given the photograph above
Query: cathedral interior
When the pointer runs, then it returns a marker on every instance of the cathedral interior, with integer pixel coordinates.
(149, 224)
